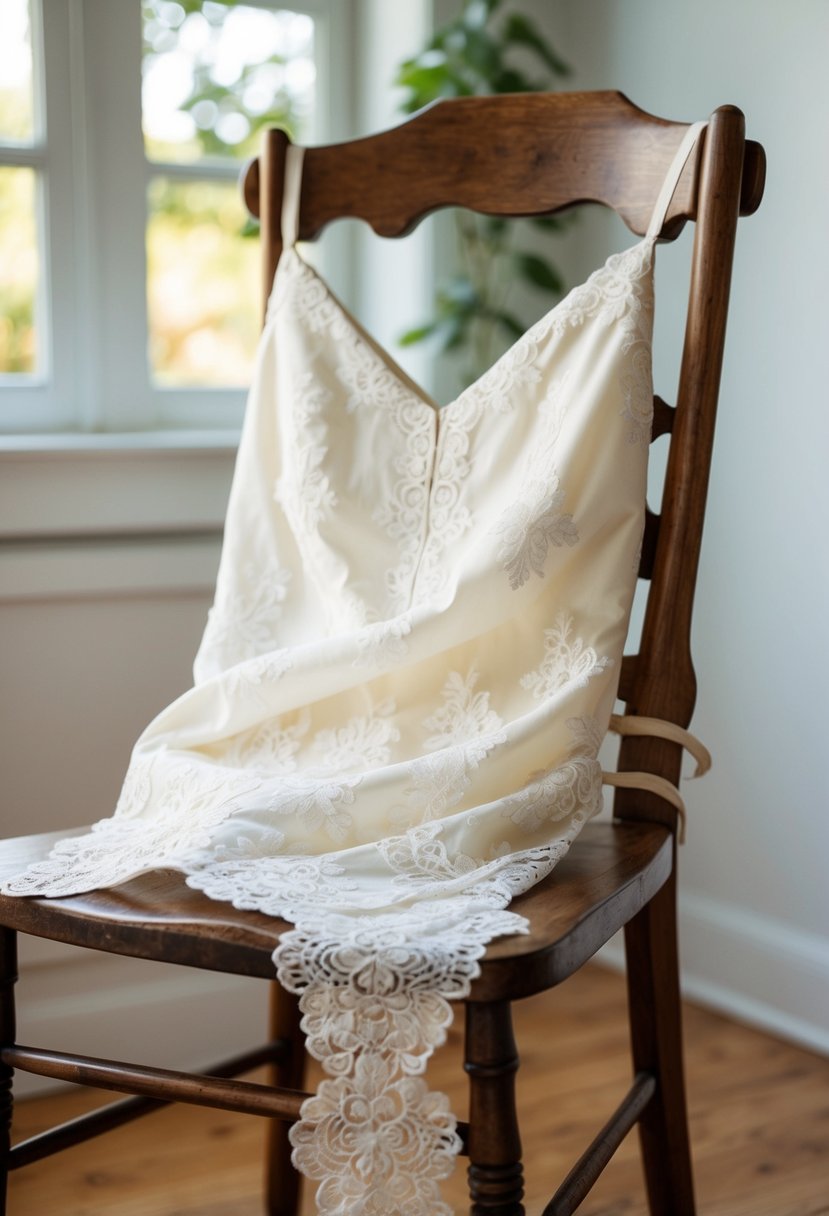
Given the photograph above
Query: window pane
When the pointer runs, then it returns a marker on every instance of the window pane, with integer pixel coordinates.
(19, 262)
(216, 73)
(16, 97)
(203, 284)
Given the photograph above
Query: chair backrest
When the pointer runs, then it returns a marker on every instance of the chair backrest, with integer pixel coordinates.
(534, 154)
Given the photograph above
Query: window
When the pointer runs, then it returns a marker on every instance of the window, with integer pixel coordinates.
(129, 273)
(22, 345)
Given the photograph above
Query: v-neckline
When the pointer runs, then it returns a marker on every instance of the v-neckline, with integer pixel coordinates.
(401, 375)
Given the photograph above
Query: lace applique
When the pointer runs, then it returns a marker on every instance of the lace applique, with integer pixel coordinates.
(637, 391)
(304, 487)
(266, 883)
(464, 732)
(553, 410)
(420, 858)
(440, 781)
(403, 516)
(567, 661)
(494, 391)
(380, 1140)
(190, 801)
(449, 518)
(586, 736)
(571, 790)
(617, 292)
(530, 527)
(306, 495)
(251, 680)
(244, 619)
(464, 714)
(362, 743)
(269, 746)
(319, 803)
(374, 1011)
(243, 846)
(383, 642)
(534, 523)
(371, 386)
(309, 298)
(421, 861)
(137, 788)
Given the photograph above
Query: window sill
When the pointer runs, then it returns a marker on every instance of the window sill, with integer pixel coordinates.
(63, 486)
(138, 443)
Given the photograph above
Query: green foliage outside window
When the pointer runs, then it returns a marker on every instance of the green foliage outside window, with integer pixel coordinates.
(216, 73)
(483, 51)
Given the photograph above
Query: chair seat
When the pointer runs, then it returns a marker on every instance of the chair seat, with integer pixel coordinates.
(612, 870)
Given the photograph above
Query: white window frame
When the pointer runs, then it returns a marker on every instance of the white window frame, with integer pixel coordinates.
(93, 373)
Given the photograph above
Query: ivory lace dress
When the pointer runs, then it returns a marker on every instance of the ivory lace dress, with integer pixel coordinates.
(402, 688)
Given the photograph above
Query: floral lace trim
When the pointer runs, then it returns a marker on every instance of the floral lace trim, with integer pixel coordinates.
(403, 516)
(370, 385)
(464, 731)
(533, 526)
(243, 622)
(449, 518)
(566, 661)
(383, 642)
(375, 994)
(617, 293)
(191, 801)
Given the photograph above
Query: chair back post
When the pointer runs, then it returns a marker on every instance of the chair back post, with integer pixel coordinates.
(271, 170)
(664, 682)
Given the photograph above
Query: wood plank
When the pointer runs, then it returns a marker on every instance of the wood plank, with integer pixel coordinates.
(759, 1125)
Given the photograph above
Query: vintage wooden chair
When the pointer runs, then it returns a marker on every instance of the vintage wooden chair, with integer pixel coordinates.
(522, 155)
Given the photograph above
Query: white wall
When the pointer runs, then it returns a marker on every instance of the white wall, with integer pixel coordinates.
(755, 908)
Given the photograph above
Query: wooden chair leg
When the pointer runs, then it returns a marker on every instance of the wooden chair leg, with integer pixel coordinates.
(496, 1183)
(282, 1182)
(8, 977)
(656, 1036)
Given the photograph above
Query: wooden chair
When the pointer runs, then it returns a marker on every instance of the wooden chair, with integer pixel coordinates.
(521, 155)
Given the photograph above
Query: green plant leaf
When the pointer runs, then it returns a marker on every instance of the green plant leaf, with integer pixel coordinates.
(539, 272)
(474, 54)
(509, 322)
(510, 80)
(521, 31)
(418, 334)
(495, 226)
(451, 332)
(425, 83)
(476, 13)
(459, 294)
(482, 54)
(553, 223)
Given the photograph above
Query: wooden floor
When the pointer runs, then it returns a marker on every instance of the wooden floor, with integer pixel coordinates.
(759, 1123)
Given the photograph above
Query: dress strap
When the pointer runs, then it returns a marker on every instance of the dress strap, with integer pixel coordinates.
(291, 190)
(672, 177)
(657, 728)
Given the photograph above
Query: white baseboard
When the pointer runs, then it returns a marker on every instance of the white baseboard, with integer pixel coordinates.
(751, 967)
